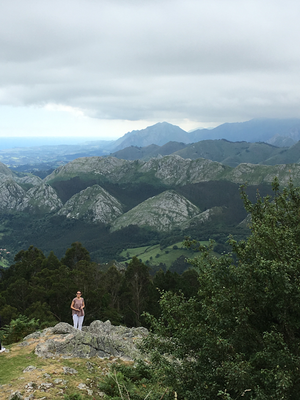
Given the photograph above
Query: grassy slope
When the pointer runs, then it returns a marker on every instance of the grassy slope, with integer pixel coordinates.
(154, 255)
(19, 357)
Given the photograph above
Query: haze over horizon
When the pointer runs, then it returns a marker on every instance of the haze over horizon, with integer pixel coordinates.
(90, 69)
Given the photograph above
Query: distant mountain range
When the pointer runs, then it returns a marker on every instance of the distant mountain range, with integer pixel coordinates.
(221, 150)
(156, 185)
(276, 132)
(111, 204)
(279, 132)
(93, 189)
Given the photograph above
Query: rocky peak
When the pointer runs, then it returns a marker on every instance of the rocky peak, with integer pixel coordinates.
(101, 339)
(4, 170)
(93, 204)
(163, 212)
(92, 166)
(42, 198)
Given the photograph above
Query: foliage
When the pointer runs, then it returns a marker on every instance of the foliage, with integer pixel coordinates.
(75, 254)
(43, 287)
(240, 335)
(134, 383)
(18, 329)
(136, 290)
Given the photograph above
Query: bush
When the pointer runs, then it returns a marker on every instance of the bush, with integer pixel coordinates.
(239, 336)
(18, 329)
(133, 383)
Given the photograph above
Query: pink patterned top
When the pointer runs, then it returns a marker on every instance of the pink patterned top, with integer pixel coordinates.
(77, 304)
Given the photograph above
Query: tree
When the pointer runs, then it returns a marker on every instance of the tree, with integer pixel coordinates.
(136, 290)
(75, 254)
(240, 335)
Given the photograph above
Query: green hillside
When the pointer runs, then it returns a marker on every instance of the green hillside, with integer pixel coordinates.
(154, 255)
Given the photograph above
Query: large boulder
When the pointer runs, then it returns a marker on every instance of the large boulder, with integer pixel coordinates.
(100, 339)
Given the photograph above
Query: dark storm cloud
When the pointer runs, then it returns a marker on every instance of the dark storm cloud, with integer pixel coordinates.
(199, 60)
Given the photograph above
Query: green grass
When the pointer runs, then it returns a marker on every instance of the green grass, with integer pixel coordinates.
(12, 367)
(154, 255)
(13, 363)
(4, 263)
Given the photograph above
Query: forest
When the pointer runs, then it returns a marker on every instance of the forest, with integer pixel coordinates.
(43, 287)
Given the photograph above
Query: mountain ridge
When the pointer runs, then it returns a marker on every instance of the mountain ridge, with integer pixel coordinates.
(282, 132)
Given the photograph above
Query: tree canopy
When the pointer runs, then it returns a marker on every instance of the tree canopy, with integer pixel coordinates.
(239, 336)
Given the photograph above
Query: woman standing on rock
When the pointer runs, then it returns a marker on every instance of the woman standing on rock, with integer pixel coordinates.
(77, 306)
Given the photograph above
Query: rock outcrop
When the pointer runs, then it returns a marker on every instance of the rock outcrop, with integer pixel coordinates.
(29, 179)
(163, 212)
(4, 170)
(42, 198)
(100, 167)
(93, 204)
(175, 170)
(11, 194)
(100, 339)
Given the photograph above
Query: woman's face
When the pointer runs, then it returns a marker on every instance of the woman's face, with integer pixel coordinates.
(78, 294)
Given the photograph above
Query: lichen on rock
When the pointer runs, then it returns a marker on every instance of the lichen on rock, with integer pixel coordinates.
(100, 339)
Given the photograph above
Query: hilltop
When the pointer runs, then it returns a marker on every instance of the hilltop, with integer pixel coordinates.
(62, 360)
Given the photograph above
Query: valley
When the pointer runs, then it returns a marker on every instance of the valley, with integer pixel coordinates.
(142, 190)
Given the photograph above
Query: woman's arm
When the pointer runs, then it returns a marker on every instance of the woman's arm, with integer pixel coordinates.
(73, 308)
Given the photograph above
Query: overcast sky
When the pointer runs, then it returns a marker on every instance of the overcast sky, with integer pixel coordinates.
(101, 68)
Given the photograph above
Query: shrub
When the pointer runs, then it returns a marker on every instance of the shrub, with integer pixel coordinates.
(18, 329)
(133, 383)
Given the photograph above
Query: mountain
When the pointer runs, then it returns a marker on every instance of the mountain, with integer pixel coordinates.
(166, 171)
(94, 204)
(281, 141)
(42, 198)
(143, 143)
(164, 212)
(11, 194)
(286, 155)
(100, 189)
(110, 204)
(159, 134)
(221, 150)
(145, 153)
(255, 130)
(229, 153)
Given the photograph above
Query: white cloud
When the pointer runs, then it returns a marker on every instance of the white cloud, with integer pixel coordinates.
(193, 60)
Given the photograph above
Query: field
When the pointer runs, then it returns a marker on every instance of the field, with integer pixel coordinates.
(154, 255)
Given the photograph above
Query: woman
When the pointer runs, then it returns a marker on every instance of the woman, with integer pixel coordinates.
(1, 348)
(77, 306)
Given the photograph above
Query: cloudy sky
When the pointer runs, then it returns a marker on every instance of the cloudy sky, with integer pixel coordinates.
(101, 68)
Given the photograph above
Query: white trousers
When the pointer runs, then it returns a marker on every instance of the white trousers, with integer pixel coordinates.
(78, 321)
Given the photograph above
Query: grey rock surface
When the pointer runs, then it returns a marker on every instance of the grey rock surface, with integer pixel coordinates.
(4, 170)
(29, 180)
(101, 339)
(42, 198)
(16, 395)
(163, 212)
(29, 368)
(11, 195)
(92, 166)
(93, 204)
